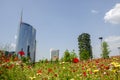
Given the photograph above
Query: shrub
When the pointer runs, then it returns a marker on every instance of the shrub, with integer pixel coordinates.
(69, 56)
(66, 56)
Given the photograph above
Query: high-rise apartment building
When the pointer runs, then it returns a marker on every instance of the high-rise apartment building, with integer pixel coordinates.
(54, 54)
(26, 40)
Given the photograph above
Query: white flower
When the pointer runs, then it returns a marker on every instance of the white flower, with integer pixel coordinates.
(104, 73)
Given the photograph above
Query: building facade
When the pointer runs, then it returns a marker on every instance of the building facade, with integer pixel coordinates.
(54, 54)
(26, 40)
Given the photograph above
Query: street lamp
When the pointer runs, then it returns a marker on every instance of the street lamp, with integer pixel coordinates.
(101, 38)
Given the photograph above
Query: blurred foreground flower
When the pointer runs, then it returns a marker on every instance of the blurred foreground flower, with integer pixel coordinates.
(72, 79)
(39, 72)
(84, 74)
(49, 70)
(95, 70)
(75, 60)
(115, 64)
(21, 53)
(32, 78)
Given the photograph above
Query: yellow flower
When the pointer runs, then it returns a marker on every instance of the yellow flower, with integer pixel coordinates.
(113, 71)
(115, 58)
(115, 64)
(72, 79)
(63, 67)
(63, 62)
(94, 66)
(32, 78)
(118, 65)
(88, 69)
(96, 70)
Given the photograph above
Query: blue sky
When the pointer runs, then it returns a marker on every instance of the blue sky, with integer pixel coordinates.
(60, 22)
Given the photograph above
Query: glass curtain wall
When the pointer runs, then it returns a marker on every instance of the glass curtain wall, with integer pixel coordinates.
(26, 40)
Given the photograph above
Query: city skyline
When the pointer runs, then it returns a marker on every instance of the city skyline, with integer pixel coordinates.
(59, 23)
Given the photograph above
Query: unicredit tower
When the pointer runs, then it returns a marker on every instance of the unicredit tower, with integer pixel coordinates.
(26, 40)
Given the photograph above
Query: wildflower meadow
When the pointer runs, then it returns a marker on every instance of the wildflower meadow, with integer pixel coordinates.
(12, 68)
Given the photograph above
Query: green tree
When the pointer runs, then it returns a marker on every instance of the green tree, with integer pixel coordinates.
(73, 55)
(69, 56)
(84, 55)
(66, 56)
(105, 50)
(84, 45)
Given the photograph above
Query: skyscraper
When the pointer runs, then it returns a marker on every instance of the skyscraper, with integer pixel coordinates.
(54, 54)
(26, 40)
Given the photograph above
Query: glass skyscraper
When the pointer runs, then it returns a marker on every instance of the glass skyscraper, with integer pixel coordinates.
(26, 40)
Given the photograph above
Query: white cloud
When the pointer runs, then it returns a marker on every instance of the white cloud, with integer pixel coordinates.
(94, 11)
(113, 15)
(112, 39)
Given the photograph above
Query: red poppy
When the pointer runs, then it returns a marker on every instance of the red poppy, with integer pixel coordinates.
(16, 59)
(21, 53)
(7, 60)
(39, 71)
(97, 61)
(49, 70)
(11, 66)
(106, 67)
(102, 65)
(83, 68)
(90, 72)
(75, 60)
(85, 74)
(30, 67)
(55, 75)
